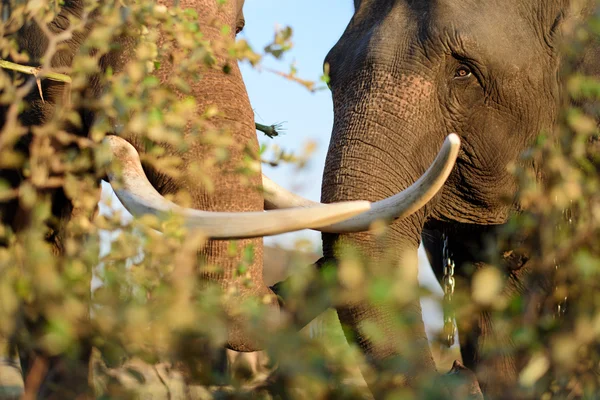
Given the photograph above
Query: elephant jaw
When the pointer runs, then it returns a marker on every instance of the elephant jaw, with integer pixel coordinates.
(289, 211)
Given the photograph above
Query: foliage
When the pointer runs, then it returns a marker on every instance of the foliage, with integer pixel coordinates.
(151, 295)
(555, 326)
(153, 304)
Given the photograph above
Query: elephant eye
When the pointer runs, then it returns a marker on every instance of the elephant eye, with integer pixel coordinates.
(240, 26)
(462, 72)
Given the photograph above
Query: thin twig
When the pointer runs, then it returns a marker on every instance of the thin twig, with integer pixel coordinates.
(38, 81)
(561, 254)
(11, 116)
(68, 138)
(310, 85)
(51, 183)
(35, 71)
(163, 382)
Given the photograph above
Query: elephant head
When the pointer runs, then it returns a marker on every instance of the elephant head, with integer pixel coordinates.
(232, 210)
(405, 74)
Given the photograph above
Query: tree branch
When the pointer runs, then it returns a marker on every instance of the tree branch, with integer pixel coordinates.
(35, 71)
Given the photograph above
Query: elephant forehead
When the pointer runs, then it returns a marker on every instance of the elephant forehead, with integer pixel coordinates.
(493, 32)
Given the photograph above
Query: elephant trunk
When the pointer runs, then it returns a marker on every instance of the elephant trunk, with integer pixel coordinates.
(385, 317)
(393, 262)
(228, 94)
(377, 148)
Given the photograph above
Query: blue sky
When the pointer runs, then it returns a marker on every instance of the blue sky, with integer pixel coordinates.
(308, 117)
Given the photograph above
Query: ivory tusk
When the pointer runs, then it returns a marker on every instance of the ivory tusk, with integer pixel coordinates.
(392, 208)
(139, 197)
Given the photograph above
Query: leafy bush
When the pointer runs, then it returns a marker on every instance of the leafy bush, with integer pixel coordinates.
(154, 308)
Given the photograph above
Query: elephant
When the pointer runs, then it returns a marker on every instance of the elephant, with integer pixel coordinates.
(231, 211)
(403, 75)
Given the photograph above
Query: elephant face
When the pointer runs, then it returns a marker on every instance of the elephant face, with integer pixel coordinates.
(406, 73)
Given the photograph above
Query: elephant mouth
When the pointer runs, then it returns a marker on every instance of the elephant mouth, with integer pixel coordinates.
(467, 243)
(288, 212)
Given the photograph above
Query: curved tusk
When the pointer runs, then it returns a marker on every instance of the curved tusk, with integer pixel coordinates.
(393, 208)
(139, 197)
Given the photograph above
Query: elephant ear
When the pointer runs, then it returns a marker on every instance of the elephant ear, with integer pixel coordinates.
(566, 16)
(559, 19)
(585, 60)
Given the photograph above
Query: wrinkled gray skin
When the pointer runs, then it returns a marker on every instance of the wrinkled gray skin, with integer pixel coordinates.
(404, 74)
(225, 91)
